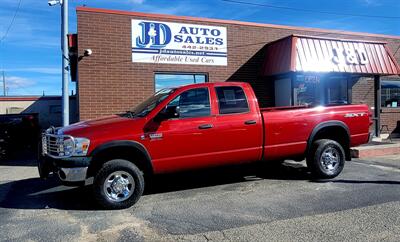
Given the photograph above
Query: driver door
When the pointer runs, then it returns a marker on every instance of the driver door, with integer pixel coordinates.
(184, 142)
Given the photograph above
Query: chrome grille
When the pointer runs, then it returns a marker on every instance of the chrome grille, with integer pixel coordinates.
(52, 147)
(53, 144)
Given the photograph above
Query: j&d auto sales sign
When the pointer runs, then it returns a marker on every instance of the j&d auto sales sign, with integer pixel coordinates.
(177, 43)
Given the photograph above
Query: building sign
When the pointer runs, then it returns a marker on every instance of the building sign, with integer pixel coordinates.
(332, 55)
(178, 43)
(350, 56)
(299, 53)
(311, 79)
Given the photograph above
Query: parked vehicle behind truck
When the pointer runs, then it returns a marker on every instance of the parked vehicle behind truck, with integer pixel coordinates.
(18, 132)
(198, 126)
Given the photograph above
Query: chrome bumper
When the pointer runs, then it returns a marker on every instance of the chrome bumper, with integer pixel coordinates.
(75, 174)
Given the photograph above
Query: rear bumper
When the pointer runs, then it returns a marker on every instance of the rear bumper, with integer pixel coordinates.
(69, 170)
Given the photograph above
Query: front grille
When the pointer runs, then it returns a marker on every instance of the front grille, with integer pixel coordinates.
(53, 145)
(50, 145)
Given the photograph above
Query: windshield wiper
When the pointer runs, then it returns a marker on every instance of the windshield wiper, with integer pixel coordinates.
(128, 114)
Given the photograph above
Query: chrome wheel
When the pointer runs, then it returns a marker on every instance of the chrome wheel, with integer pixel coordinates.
(330, 159)
(119, 186)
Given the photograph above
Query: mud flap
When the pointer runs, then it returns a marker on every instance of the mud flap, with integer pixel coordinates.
(44, 167)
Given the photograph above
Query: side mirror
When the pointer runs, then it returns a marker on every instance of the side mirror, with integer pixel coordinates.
(168, 112)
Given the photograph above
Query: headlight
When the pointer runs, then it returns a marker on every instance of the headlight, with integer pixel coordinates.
(57, 145)
(81, 146)
(69, 146)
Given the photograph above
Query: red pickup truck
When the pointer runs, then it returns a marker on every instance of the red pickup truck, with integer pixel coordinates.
(198, 126)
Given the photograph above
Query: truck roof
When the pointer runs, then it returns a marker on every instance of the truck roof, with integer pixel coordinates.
(212, 84)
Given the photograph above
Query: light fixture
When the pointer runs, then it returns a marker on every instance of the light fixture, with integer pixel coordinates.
(88, 52)
(54, 2)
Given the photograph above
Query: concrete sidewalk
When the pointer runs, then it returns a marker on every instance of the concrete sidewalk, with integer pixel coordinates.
(374, 149)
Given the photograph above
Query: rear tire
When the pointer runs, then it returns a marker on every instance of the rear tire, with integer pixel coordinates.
(326, 159)
(118, 184)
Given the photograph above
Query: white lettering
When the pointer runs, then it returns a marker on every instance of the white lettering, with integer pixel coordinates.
(362, 55)
(350, 56)
(336, 55)
(357, 56)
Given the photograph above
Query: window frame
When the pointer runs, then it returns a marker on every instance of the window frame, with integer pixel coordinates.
(381, 90)
(206, 80)
(323, 87)
(345, 78)
(209, 101)
(219, 106)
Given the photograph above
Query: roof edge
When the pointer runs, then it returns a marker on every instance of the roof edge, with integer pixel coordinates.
(237, 22)
(31, 98)
(339, 39)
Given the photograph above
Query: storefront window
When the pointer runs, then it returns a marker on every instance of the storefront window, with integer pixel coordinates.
(336, 90)
(390, 94)
(306, 90)
(168, 80)
(316, 90)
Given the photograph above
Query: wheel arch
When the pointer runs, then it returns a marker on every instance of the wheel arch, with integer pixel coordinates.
(335, 130)
(121, 149)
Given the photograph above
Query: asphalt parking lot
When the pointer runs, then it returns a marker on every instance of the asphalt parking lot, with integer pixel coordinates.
(253, 203)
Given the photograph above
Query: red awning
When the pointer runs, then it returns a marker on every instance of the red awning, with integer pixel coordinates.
(298, 53)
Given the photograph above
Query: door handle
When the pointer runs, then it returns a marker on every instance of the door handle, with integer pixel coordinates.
(250, 122)
(206, 126)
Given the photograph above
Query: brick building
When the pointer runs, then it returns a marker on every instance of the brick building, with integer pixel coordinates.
(134, 54)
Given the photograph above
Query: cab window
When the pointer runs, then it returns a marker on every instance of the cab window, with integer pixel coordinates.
(192, 103)
(231, 99)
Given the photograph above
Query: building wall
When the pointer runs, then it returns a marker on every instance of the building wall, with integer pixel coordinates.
(48, 108)
(109, 82)
(363, 92)
(12, 107)
(390, 117)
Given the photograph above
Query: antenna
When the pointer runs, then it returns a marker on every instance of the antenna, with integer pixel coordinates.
(4, 84)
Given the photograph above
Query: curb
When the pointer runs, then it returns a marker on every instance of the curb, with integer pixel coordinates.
(375, 150)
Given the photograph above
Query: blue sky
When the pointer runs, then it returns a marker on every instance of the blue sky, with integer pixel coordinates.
(30, 54)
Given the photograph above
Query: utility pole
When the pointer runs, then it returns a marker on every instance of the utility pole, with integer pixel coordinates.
(4, 84)
(65, 56)
(377, 104)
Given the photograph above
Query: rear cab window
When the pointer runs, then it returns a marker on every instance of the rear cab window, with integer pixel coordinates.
(231, 100)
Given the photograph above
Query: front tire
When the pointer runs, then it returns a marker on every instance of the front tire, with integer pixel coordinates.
(326, 159)
(118, 184)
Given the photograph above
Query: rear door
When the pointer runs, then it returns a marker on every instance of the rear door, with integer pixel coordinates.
(238, 125)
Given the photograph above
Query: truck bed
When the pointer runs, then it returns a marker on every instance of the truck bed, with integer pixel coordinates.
(287, 129)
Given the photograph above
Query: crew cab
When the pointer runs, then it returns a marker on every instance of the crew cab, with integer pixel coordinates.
(198, 126)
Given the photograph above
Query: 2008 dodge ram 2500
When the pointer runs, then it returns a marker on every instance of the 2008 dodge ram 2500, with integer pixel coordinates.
(198, 126)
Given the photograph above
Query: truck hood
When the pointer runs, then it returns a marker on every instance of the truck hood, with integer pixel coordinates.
(105, 126)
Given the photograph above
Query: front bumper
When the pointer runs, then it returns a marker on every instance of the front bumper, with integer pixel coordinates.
(69, 170)
(77, 174)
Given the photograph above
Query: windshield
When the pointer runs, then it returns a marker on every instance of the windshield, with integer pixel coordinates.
(148, 105)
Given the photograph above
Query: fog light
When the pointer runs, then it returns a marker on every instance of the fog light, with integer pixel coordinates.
(62, 175)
